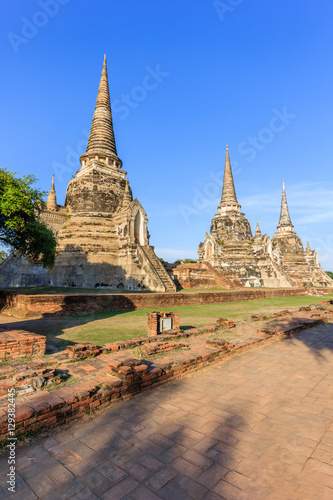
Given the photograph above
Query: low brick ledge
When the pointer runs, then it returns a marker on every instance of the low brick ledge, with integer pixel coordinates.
(48, 409)
(17, 343)
(31, 306)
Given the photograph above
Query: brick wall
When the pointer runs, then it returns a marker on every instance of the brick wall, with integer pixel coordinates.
(18, 304)
(16, 344)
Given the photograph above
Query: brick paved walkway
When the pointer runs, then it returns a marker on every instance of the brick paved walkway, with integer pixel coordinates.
(258, 426)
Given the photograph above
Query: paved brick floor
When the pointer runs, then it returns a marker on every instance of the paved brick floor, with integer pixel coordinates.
(258, 426)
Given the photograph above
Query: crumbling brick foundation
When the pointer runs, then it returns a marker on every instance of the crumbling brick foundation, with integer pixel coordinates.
(16, 344)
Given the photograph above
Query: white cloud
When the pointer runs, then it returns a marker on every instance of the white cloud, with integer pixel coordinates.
(312, 201)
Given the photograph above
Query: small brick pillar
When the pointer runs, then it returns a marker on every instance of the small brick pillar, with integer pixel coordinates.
(154, 321)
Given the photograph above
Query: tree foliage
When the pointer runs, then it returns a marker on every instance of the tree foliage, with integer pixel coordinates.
(185, 261)
(330, 274)
(20, 225)
(3, 255)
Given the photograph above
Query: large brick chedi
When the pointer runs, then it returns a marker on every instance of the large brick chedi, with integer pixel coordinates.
(103, 240)
(230, 246)
(301, 265)
(258, 260)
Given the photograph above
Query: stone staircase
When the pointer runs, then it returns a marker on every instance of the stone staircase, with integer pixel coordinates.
(159, 268)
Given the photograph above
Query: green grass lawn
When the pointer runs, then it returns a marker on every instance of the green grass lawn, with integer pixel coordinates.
(101, 328)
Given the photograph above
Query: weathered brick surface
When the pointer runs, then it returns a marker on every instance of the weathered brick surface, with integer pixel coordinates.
(226, 323)
(258, 428)
(16, 344)
(63, 305)
(48, 409)
(203, 275)
(84, 350)
(158, 347)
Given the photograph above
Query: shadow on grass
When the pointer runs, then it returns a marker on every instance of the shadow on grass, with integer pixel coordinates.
(68, 311)
(54, 327)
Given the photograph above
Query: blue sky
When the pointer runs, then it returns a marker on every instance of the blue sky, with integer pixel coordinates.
(186, 78)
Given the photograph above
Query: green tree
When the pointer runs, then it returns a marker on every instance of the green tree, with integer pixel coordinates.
(3, 255)
(20, 225)
(186, 261)
(330, 274)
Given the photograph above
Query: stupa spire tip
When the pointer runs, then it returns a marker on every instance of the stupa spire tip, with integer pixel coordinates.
(285, 220)
(101, 138)
(228, 198)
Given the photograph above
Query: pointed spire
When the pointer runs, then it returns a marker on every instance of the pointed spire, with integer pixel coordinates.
(51, 203)
(101, 138)
(308, 248)
(258, 232)
(229, 198)
(228, 191)
(128, 197)
(285, 221)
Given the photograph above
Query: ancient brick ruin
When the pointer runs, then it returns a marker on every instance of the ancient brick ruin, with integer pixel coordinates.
(103, 239)
(302, 266)
(256, 260)
(56, 389)
(16, 344)
(203, 275)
